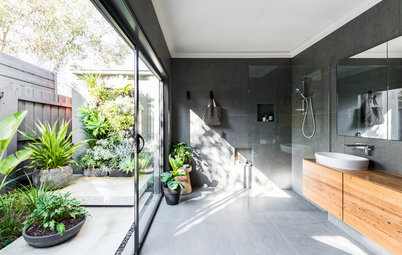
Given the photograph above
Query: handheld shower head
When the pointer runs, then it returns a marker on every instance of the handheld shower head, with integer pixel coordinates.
(298, 91)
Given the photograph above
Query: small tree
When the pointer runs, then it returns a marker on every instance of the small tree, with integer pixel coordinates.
(55, 31)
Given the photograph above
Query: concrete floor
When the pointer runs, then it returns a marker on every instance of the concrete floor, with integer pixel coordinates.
(105, 191)
(246, 222)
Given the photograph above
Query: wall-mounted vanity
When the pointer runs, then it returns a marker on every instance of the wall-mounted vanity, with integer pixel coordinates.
(369, 88)
(369, 201)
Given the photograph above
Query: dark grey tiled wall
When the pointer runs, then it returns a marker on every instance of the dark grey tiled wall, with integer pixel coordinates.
(375, 26)
(229, 80)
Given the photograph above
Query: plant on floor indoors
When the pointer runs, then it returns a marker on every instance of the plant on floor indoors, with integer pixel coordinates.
(8, 127)
(55, 219)
(52, 153)
(182, 152)
(172, 187)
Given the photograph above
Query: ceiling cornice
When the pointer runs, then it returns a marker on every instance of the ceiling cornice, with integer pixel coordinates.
(334, 25)
(328, 29)
(248, 54)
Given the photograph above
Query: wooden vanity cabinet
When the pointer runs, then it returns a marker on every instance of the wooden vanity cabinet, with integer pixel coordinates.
(323, 186)
(369, 201)
(374, 211)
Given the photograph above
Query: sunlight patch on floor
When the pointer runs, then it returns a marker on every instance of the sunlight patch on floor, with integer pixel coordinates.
(340, 243)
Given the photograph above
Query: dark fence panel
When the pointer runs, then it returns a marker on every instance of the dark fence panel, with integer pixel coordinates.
(24, 86)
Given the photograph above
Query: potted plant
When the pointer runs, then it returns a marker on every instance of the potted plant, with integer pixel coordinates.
(8, 127)
(171, 186)
(182, 152)
(52, 154)
(55, 219)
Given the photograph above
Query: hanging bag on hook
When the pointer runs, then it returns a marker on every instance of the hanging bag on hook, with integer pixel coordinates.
(372, 112)
(212, 114)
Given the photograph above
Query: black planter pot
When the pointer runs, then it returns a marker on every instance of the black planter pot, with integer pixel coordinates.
(172, 196)
(50, 240)
(118, 173)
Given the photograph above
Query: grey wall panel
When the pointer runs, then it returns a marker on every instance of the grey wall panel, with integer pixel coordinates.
(214, 147)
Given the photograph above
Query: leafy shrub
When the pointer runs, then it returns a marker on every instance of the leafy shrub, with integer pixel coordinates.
(29, 195)
(8, 127)
(120, 113)
(170, 179)
(52, 209)
(11, 213)
(181, 151)
(175, 163)
(144, 159)
(123, 159)
(52, 149)
(110, 154)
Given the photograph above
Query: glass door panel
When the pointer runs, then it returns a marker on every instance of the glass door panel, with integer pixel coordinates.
(150, 157)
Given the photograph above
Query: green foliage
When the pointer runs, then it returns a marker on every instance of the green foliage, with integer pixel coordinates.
(29, 195)
(119, 113)
(175, 163)
(8, 127)
(53, 31)
(181, 151)
(91, 79)
(97, 125)
(52, 209)
(144, 159)
(99, 156)
(10, 221)
(111, 109)
(170, 179)
(53, 148)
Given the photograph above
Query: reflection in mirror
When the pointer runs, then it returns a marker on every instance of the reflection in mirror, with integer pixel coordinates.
(395, 89)
(362, 94)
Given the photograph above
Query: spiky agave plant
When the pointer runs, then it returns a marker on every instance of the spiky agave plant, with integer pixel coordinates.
(51, 148)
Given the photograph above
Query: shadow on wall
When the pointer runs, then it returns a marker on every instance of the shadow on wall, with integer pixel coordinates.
(214, 163)
(213, 157)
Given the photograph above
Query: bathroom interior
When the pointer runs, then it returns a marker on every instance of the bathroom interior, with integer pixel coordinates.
(307, 155)
(339, 95)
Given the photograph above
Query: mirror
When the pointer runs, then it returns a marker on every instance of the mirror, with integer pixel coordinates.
(370, 92)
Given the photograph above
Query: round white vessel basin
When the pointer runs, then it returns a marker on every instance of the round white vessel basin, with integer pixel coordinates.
(341, 161)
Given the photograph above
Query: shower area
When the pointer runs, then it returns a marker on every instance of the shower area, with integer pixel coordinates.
(288, 120)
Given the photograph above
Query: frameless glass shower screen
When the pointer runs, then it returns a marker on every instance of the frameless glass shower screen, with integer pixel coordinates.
(270, 124)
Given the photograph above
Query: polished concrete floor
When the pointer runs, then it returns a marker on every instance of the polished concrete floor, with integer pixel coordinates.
(245, 222)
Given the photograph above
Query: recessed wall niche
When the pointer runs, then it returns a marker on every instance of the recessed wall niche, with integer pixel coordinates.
(265, 110)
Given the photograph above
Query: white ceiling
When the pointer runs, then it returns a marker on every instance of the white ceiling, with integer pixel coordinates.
(251, 28)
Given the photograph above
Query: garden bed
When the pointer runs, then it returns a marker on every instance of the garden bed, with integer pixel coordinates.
(102, 233)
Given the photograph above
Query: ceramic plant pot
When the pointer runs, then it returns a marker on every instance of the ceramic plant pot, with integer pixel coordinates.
(56, 177)
(51, 240)
(172, 197)
(185, 180)
(94, 172)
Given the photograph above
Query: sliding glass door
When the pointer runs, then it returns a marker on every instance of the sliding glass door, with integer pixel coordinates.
(149, 129)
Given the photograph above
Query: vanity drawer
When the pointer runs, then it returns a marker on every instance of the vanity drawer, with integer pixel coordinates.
(375, 211)
(323, 186)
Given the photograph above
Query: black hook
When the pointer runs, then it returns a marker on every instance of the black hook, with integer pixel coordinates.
(211, 94)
